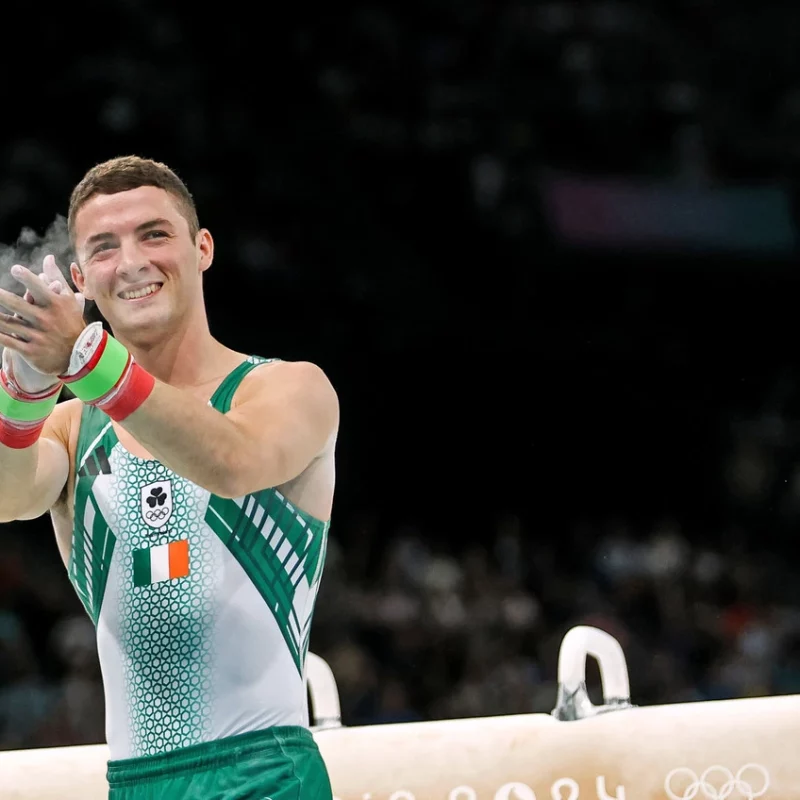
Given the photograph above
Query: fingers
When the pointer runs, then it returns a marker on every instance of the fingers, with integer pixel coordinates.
(14, 327)
(50, 269)
(38, 288)
(17, 305)
(56, 287)
(11, 342)
(55, 279)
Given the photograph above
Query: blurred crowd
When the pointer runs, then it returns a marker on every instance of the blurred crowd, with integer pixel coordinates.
(375, 125)
(432, 634)
(362, 161)
(416, 627)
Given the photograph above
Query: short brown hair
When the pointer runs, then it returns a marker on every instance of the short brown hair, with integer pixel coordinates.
(130, 172)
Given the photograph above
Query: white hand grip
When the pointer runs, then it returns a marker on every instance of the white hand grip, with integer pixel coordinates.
(325, 709)
(583, 641)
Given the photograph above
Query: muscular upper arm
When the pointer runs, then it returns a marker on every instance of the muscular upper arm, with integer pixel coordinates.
(289, 413)
(52, 468)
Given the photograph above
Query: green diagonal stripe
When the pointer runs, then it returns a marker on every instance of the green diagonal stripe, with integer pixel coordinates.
(259, 559)
(92, 551)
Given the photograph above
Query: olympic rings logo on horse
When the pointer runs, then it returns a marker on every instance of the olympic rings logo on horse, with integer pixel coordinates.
(724, 785)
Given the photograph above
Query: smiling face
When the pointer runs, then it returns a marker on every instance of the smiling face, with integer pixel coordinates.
(140, 263)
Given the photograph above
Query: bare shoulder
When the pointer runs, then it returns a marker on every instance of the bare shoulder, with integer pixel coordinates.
(293, 397)
(276, 381)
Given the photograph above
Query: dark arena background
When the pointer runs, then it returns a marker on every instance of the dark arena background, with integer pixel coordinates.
(547, 254)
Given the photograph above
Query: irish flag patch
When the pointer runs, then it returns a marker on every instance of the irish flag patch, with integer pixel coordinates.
(162, 563)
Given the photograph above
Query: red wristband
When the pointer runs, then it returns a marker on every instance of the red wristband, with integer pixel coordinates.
(19, 435)
(132, 389)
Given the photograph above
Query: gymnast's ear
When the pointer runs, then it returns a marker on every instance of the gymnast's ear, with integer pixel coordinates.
(205, 249)
(78, 279)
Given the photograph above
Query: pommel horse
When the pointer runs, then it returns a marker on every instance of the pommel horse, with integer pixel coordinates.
(716, 750)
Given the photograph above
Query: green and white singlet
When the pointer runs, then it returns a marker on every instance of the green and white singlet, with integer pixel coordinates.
(202, 605)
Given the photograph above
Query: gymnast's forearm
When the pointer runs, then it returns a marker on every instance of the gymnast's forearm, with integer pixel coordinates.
(191, 438)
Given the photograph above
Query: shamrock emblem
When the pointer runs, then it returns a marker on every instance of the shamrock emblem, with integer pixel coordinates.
(157, 497)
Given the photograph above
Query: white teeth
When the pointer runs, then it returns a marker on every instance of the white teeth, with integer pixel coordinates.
(140, 292)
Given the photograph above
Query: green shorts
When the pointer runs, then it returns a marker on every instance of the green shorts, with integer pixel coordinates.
(275, 764)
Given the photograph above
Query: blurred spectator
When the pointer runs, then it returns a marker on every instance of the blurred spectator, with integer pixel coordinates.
(27, 700)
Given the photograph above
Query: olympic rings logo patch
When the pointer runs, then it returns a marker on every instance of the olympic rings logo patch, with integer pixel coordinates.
(717, 783)
(156, 503)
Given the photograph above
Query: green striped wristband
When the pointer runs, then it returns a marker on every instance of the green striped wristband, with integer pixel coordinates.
(105, 374)
(26, 410)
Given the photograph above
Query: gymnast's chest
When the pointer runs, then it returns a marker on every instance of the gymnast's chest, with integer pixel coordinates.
(140, 500)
